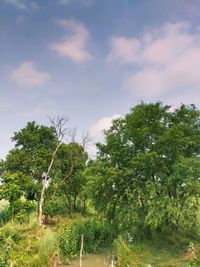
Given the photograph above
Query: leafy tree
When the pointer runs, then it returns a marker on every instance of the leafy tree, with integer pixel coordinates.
(147, 171)
(68, 182)
(40, 154)
(12, 188)
(34, 155)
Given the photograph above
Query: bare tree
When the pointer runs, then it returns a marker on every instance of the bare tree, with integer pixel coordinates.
(58, 124)
(86, 139)
(73, 134)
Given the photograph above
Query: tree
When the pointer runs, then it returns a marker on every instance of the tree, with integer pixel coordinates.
(14, 187)
(11, 190)
(60, 132)
(147, 171)
(34, 155)
(31, 155)
(68, 182)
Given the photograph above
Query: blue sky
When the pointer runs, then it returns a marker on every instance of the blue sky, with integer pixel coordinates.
(91, 60)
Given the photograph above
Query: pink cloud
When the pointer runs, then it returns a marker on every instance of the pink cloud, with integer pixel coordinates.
(74, 46)
(165, 59)
(27, 75)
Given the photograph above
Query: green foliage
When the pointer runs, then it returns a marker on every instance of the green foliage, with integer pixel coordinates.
(68, 240)
(25, 164)
(95, 235)
(12, 189)
(7, 250)
(48, 246)
(4, 212)
(23, 209)
(10, 230)
(56, 205)
(148, 169)
(11, 186)
(32, 153)
(123, 252)
(64, 191)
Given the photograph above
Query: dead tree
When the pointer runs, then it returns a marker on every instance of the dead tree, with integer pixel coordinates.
(73, 134)
(86, 139)
(60, 131)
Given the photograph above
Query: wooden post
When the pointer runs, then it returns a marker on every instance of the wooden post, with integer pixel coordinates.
(81, 251)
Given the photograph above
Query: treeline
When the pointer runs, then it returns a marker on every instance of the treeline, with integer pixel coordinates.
(145, 179)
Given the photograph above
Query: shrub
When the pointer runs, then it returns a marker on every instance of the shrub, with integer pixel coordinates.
(123, 252)
(68, 240)
(23, 209)
(10, 230)
(96, 235)
(7, 249)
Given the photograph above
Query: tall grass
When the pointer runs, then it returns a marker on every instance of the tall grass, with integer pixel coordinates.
(48, 244)
(4, 212)
(48, 248)
(123, 252)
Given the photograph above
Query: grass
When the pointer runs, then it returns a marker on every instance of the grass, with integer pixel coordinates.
(164, 252)
(35, 246)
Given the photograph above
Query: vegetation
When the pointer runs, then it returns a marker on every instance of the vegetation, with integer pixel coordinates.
(140, 196)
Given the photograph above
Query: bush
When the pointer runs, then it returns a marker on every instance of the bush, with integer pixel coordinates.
(68, 240)
(23, 209)
(10, 230)
(123, 252)
(95, 235)
(7, 249)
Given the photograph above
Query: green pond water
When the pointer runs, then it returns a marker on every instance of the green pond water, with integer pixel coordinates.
(93, 260)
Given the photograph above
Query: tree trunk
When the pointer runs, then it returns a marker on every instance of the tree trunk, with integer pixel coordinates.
(70, 204)
(84, 205)
(74, 203)
(41, 204)
(81, 251)
(174, 228)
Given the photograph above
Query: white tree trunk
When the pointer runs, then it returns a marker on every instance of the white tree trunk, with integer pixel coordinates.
(41, 204)
(81, 251)
(42, 196)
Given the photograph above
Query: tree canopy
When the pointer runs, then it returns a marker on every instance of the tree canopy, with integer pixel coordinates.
(147, 173)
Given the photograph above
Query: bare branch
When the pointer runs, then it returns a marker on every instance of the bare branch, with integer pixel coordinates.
(58, 124)
(86, 139)
(73, 134)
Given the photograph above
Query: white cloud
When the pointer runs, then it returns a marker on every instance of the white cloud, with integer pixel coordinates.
(123, 50)
(27, 75)
(21, 4)
(96, 132)
(164, 60)
(73, 45)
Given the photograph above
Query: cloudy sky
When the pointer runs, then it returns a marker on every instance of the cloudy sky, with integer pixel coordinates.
(91, 60)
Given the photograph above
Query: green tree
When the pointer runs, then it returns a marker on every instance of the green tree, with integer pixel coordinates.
(147, 171)
(69, 181)
(31, 155)
(12, 188)
(34, 155)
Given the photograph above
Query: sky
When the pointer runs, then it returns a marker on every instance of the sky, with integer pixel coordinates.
(92, 60)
